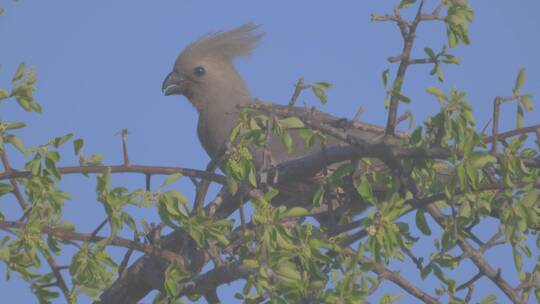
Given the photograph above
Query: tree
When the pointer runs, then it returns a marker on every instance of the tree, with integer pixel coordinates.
(282, 253)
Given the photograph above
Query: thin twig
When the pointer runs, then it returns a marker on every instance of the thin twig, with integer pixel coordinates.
(202, 188)
(152, 170)
(298, 88)
(356, 118)
(59, 278)
(477, 257)
(127, 256)
(470, 281)
(124, 147)
(99, 227)
(504, 135)
(402, 69)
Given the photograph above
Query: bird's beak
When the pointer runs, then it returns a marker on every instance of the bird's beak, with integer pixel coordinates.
(173, 84)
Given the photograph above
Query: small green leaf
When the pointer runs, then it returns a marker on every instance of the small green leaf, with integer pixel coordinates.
(518, 261)
(421, 222)
(429, 52)
(320, 94)
(287, 141)
(529, 199)
(441, 96)
(364, 189)
(171, 179)
(58, 141)
(385, 77)
(520, 80)
(318, 197)
(323, 85)
(65, 225)
(491, 299)
(19, 73)
(291, 123)
(5, 188)
(480, 159)
(406, 3)
(15, 125)
(173, 276)
(319, 89)
(402, 97)
(24, 103)
(3, 93)
(527, 103)
(451, 59)
(294, 212)
(16, 142)
(520, 115)
(77, 145)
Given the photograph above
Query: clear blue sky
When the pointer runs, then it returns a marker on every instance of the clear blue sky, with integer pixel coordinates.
(100, 65)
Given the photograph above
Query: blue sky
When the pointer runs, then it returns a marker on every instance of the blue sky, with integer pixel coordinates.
(100, 65)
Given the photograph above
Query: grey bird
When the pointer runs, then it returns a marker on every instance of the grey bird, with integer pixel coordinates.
(204, 73)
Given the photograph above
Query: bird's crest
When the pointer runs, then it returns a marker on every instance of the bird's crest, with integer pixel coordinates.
(237, 42)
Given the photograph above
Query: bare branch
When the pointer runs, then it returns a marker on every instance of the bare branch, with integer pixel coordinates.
(147, 170)
(402, 69)
(477, 257)
(298, 88)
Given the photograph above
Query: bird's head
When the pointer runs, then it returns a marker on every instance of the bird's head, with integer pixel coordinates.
(204, 70)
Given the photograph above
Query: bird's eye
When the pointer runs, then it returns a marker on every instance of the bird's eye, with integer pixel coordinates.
(198, 71)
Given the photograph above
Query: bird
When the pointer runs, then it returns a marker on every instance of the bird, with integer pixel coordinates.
(205, 74)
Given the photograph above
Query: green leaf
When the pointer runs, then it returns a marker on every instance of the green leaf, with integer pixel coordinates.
(451, 59)
(518, 261)
(527, 103)
(320, 94)
(319, 89)
(58, 141)
(520, 115)
(5, 188)
(402, 97)
(65, 225)
(385, 77)
(520, 80)
(173, 276)
(364, 189)
(77, 145)
(15, 125)
(429, 52)
(16, 142)
(480, 159)
(291, 123)
(171, 179)
(439, 72)
(3, 93)
(19, 73)
(287, 141)
(491, 299)
(318, 197)
(406, 3)
(421, 222)
(294, 212)
(530, 198)
(24, 103)
(441, 96)
(323, 85)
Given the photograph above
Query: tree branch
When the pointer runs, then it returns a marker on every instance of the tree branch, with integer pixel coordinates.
(147, 170)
